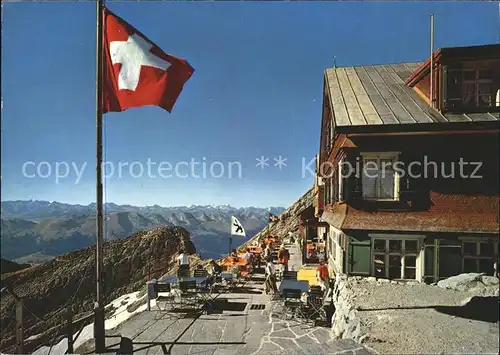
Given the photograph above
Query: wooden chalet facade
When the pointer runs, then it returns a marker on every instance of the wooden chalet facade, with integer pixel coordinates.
(407, 174)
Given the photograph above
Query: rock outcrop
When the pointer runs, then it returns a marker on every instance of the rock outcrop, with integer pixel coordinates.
(468, 281)
(70, 279)
(479, 284)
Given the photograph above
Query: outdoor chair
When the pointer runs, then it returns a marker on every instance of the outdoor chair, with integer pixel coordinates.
(223, 281)
(290, 275)
(292, 304)
(238, 280)
(314, 310)
(200, 273)
(168, 298)
(188, 293)
(183, 273)
(257, 261)
(207, 284)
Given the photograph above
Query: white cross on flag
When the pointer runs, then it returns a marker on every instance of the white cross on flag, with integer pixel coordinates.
(237, 227)
(136, 71)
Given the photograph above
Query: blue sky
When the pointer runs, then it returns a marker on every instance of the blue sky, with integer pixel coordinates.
(256, 92)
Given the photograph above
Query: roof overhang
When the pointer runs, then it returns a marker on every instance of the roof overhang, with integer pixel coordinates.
(421, 128)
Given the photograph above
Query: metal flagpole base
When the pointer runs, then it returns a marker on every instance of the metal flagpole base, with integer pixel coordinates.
(99, 333)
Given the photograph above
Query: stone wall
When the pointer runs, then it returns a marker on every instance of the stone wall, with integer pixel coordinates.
(345, 322)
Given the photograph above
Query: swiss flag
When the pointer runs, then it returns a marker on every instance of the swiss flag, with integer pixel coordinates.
(136, 71)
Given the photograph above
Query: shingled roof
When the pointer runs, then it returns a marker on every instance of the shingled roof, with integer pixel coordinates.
(377, 95)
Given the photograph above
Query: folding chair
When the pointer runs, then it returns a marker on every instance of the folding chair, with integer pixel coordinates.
(205, 293)
(206, 286)
(292, 303)
(200, 273)
(257, 260)
(290, 275)
(188, 292)
(168, 299)
(314, 309)
(222, 281)
(316, 291)
(183, 273)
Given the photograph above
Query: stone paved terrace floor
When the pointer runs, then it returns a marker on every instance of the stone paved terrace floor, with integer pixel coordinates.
(236, 329)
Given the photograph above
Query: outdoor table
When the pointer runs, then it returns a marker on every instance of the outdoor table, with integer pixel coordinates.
(175, 280)
(207, 296)
(301, 285)
(226, 276)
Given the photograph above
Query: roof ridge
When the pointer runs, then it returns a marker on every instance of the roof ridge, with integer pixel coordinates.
(374, 65)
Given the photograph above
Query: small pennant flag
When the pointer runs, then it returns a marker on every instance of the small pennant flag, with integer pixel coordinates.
(237, 227)
(273, 217)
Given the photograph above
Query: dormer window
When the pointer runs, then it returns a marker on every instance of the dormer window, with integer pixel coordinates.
(465, 79)
(469, 87)
(478, 87)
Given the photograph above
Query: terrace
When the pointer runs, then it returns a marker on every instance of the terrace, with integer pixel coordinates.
(239, 321)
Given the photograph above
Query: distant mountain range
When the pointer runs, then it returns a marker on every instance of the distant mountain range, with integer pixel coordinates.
(34, 231)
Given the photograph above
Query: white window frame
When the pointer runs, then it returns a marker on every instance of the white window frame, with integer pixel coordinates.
(478, 257)
(379, 156)
(387, 253)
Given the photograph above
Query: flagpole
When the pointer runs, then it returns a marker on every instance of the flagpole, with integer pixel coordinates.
(99, 334)
(268, 218)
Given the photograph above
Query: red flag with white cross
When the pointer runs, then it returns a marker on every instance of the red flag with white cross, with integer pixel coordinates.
(136, 71)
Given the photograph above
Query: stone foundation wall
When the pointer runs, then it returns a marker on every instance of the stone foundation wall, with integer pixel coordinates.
(345, 322)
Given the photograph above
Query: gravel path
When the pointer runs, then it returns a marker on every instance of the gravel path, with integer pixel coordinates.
(426, 329)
